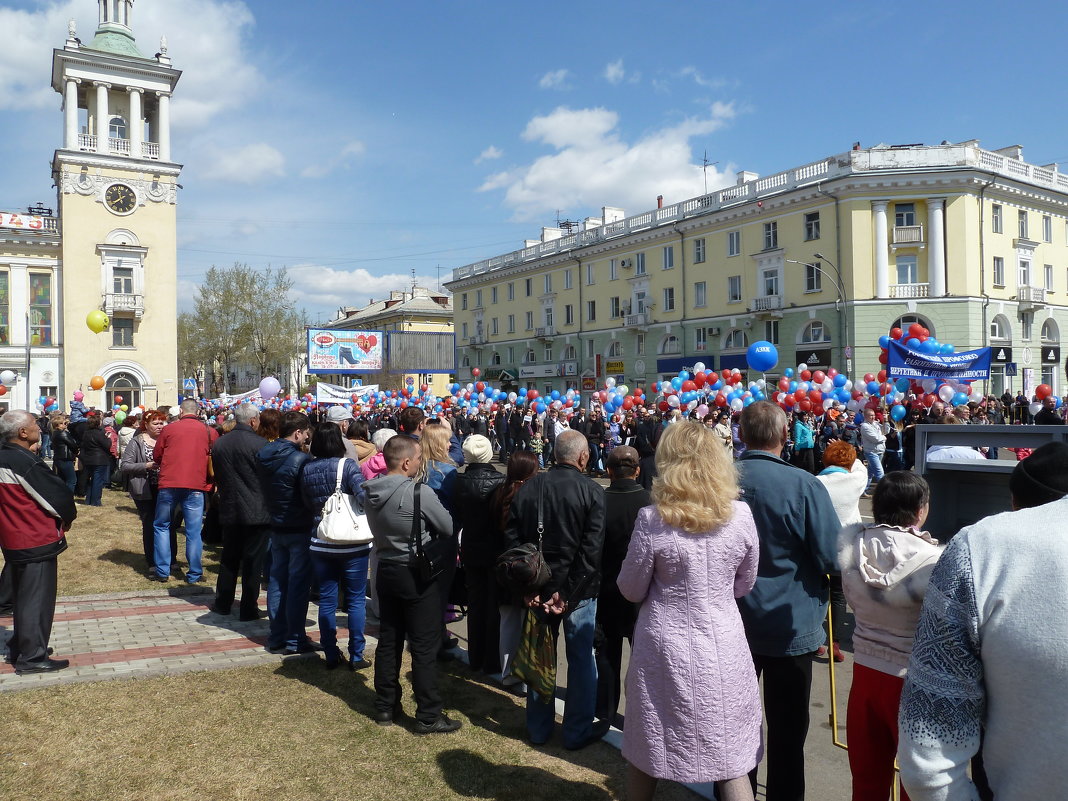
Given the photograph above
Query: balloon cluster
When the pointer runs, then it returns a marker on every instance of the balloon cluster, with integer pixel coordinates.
(7, 378)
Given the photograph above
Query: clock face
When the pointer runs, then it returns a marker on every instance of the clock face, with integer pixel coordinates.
(120, 198)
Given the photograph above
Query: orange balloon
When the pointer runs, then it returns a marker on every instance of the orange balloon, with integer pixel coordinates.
(96, 382)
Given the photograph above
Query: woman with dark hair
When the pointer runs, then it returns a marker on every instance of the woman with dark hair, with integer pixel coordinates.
(522, 465)
(143, 475)
(359, 434)
(96, 457)
(886, 566)
(64, 449)
(336, 563)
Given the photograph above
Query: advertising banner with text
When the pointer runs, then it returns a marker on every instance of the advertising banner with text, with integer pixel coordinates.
(969, 365)
(344, 351)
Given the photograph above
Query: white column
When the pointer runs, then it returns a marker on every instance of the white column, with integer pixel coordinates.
(882, 249)
(163, 132)
(936, 249)
(103, 117)
(137, 124)
(70, 114)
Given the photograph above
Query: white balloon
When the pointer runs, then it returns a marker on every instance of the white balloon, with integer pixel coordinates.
(1035, 408)
(848, 385)
(673, 401)
(737, 404)
(691, 406)
(827, 385)
(928, 384)
(801, 367)
(699, 367)
(8, 377)
(609, 382)
(946, 393)
(827, 404)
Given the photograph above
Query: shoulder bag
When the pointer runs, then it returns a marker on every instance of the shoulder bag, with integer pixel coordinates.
(342, 521)
(523, 567)
(430, 560)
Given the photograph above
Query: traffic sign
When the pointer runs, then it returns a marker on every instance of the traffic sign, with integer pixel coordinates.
(1010, 369)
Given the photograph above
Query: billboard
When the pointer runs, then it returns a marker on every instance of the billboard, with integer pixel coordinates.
(344, 351)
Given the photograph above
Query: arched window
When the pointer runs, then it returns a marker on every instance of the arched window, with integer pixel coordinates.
(125, 386)
(568, 354)
(117, 128)
(1000, 328)
(615, 350)
(1051, 335)
(904, 322)
(814, 333)
(670, 345)
(466, 361)
(495, 359)
(736, 339)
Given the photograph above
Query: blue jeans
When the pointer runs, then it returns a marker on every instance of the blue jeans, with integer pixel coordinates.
(98, 477)
(581, 683)
(65, 470)
(192, 503)
(46, 446)
(351, 572)
(287, 589)
(875, 467)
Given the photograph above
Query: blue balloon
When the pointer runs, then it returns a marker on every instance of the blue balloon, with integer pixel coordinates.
(788, 372)
(872, 387)
(793, 386)
(540, 407)
(960, 399)
(840, 380)
(762, 356)
(884, 341)
(676, 383)
(913, 343)
(684, 375)
(902, 385)
(555, 394)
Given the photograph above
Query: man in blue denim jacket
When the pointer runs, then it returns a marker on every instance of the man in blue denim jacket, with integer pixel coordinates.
(783, 615)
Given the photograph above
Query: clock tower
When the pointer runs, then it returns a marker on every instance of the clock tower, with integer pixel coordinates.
(117, 187)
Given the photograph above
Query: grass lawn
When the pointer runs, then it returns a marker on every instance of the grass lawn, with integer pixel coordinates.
(294, 731)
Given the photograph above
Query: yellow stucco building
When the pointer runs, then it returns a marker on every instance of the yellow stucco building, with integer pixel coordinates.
(820, 260)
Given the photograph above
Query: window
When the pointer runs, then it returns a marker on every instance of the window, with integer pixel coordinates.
(117, 128)
(122, 280)
(548, 354)
(548, 316)
(589, 275)
(511, 354)
(569, 354)
(639, 344)
(1025, 327)
(1047, 228)
(669, 299)
(904, 214)
(670, 345)
(669, 257)
(771, 331)
(812, 225)
(736, 340)
(493, 295)
(569, 314)
(999, 271)
(41, 309)
(813, 278)
(907, 270)
(814, 333)
(904, 321)
(771, 235)
(1023, 273)
(529, 357)
(494, 326)
(771, 282)
(734, 289)
(589, 348)
(569, 279)
(639, 302)
(615, 350)
(591, 310)
(463, 331)
(1047, 271)
(700, 339)
(1021, 217)
(734, 243)
(511, 291)
(495, 359)
(529, 286)
(511, 323)
(548, 283)
(121, 332)
(698, 251)
(613, 269)
(5, 307)
(700, 294)
(463, 302)
(478, 298)
(1049, 332)
(997, 224)
(530, 321)
(613, 307)
(639, 264)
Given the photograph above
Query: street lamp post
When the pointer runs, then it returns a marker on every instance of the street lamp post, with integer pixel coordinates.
(840, 304)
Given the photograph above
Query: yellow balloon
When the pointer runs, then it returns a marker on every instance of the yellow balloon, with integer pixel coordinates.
(97, 321)
(124, 408)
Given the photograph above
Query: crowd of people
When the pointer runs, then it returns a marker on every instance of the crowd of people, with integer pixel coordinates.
(714, 551)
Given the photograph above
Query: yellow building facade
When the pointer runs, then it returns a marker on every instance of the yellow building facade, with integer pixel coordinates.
(820, 260)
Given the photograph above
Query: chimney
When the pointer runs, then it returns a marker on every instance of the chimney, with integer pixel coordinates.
(660, 201)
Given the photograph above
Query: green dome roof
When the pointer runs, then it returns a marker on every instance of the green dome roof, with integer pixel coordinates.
(115, 40)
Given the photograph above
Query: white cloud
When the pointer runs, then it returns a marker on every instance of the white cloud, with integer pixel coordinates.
(246, 165)
(701, 80)
(593, 166)
(489, 154)
(614, 73)
(339, 161)
(557, 79)
(316, 285)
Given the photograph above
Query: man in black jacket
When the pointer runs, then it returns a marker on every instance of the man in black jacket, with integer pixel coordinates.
(572, 509)
(615, 614)
(242, 513)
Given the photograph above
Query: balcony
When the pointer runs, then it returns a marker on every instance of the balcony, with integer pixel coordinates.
(908, 291)
(118, 147)
(639, 321)
(478, 339)
(768, 306)
(907, 235)
(545, 332)
(1029, 298)
(124, 302)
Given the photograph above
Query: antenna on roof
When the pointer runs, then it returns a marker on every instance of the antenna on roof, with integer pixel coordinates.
(705, 164)
(565, 225)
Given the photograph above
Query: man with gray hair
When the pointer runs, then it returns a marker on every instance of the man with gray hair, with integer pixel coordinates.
(36, 509)
(243, 513)
(570, 509)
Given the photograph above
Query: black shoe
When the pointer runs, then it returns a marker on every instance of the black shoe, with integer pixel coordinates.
(600, 729)
(304, 648)
(276, 649)
(442, 725)
(359, 664)
(48, 666)
(11, 660)
(160, 579)
(386, 718)
(335, 659)
(218, 609)
(257, 615)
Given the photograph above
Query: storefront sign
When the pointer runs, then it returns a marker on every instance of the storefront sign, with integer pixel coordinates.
(1000, 355)
(24, 222)
(816, 358)
(569, 368)
(614, 367)
(1051, 354)
(539, 371)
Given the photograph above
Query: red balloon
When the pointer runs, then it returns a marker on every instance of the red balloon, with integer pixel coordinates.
(806, 375)
(699, 379)
(480, 387)
(726, 375)
(689, 386)
(784, 384)
(819, 376)
(1042, 391)
(916, 330)
(628, 403)
(806, 405)
(789, 400)
(929, 400)
(896, 333)
(118, 399)
(831, 372)
(638, 392)
(815, 396)
(884, 357)
(799, 394)
(425, 387)
(882, 375)
(655, 387)
(721, 400)
(476, 372)
(868, 378)
(663, 406)
(531, 395)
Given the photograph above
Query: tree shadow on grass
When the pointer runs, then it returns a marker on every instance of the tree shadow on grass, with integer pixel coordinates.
(473, 776)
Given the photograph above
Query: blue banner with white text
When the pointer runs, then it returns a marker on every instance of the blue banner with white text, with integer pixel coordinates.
(969, 365)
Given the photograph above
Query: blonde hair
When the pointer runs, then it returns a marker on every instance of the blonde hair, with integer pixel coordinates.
(697, 480)
(434, 445)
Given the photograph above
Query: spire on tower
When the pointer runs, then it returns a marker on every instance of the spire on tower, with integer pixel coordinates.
(113, 30)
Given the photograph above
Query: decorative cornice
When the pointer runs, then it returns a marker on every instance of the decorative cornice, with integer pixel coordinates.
(99, 160)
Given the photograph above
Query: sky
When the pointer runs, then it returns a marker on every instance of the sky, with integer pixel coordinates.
(354, 143)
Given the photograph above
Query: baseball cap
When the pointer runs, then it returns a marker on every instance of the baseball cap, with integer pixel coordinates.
(338, 414)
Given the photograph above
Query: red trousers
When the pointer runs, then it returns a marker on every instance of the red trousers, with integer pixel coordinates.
(871, 732)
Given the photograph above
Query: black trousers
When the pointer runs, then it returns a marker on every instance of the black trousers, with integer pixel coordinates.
(34, 590)
(615, 619)
(408, 609)
(243, 550)
(483, 619)
(787, 685)
(7, 590)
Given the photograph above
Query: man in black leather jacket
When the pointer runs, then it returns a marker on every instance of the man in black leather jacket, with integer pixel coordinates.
(572, 508)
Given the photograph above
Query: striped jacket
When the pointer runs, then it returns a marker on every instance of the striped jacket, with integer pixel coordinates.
(35, 507)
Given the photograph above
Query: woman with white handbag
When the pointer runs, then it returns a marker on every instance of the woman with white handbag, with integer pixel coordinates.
(332, 487)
